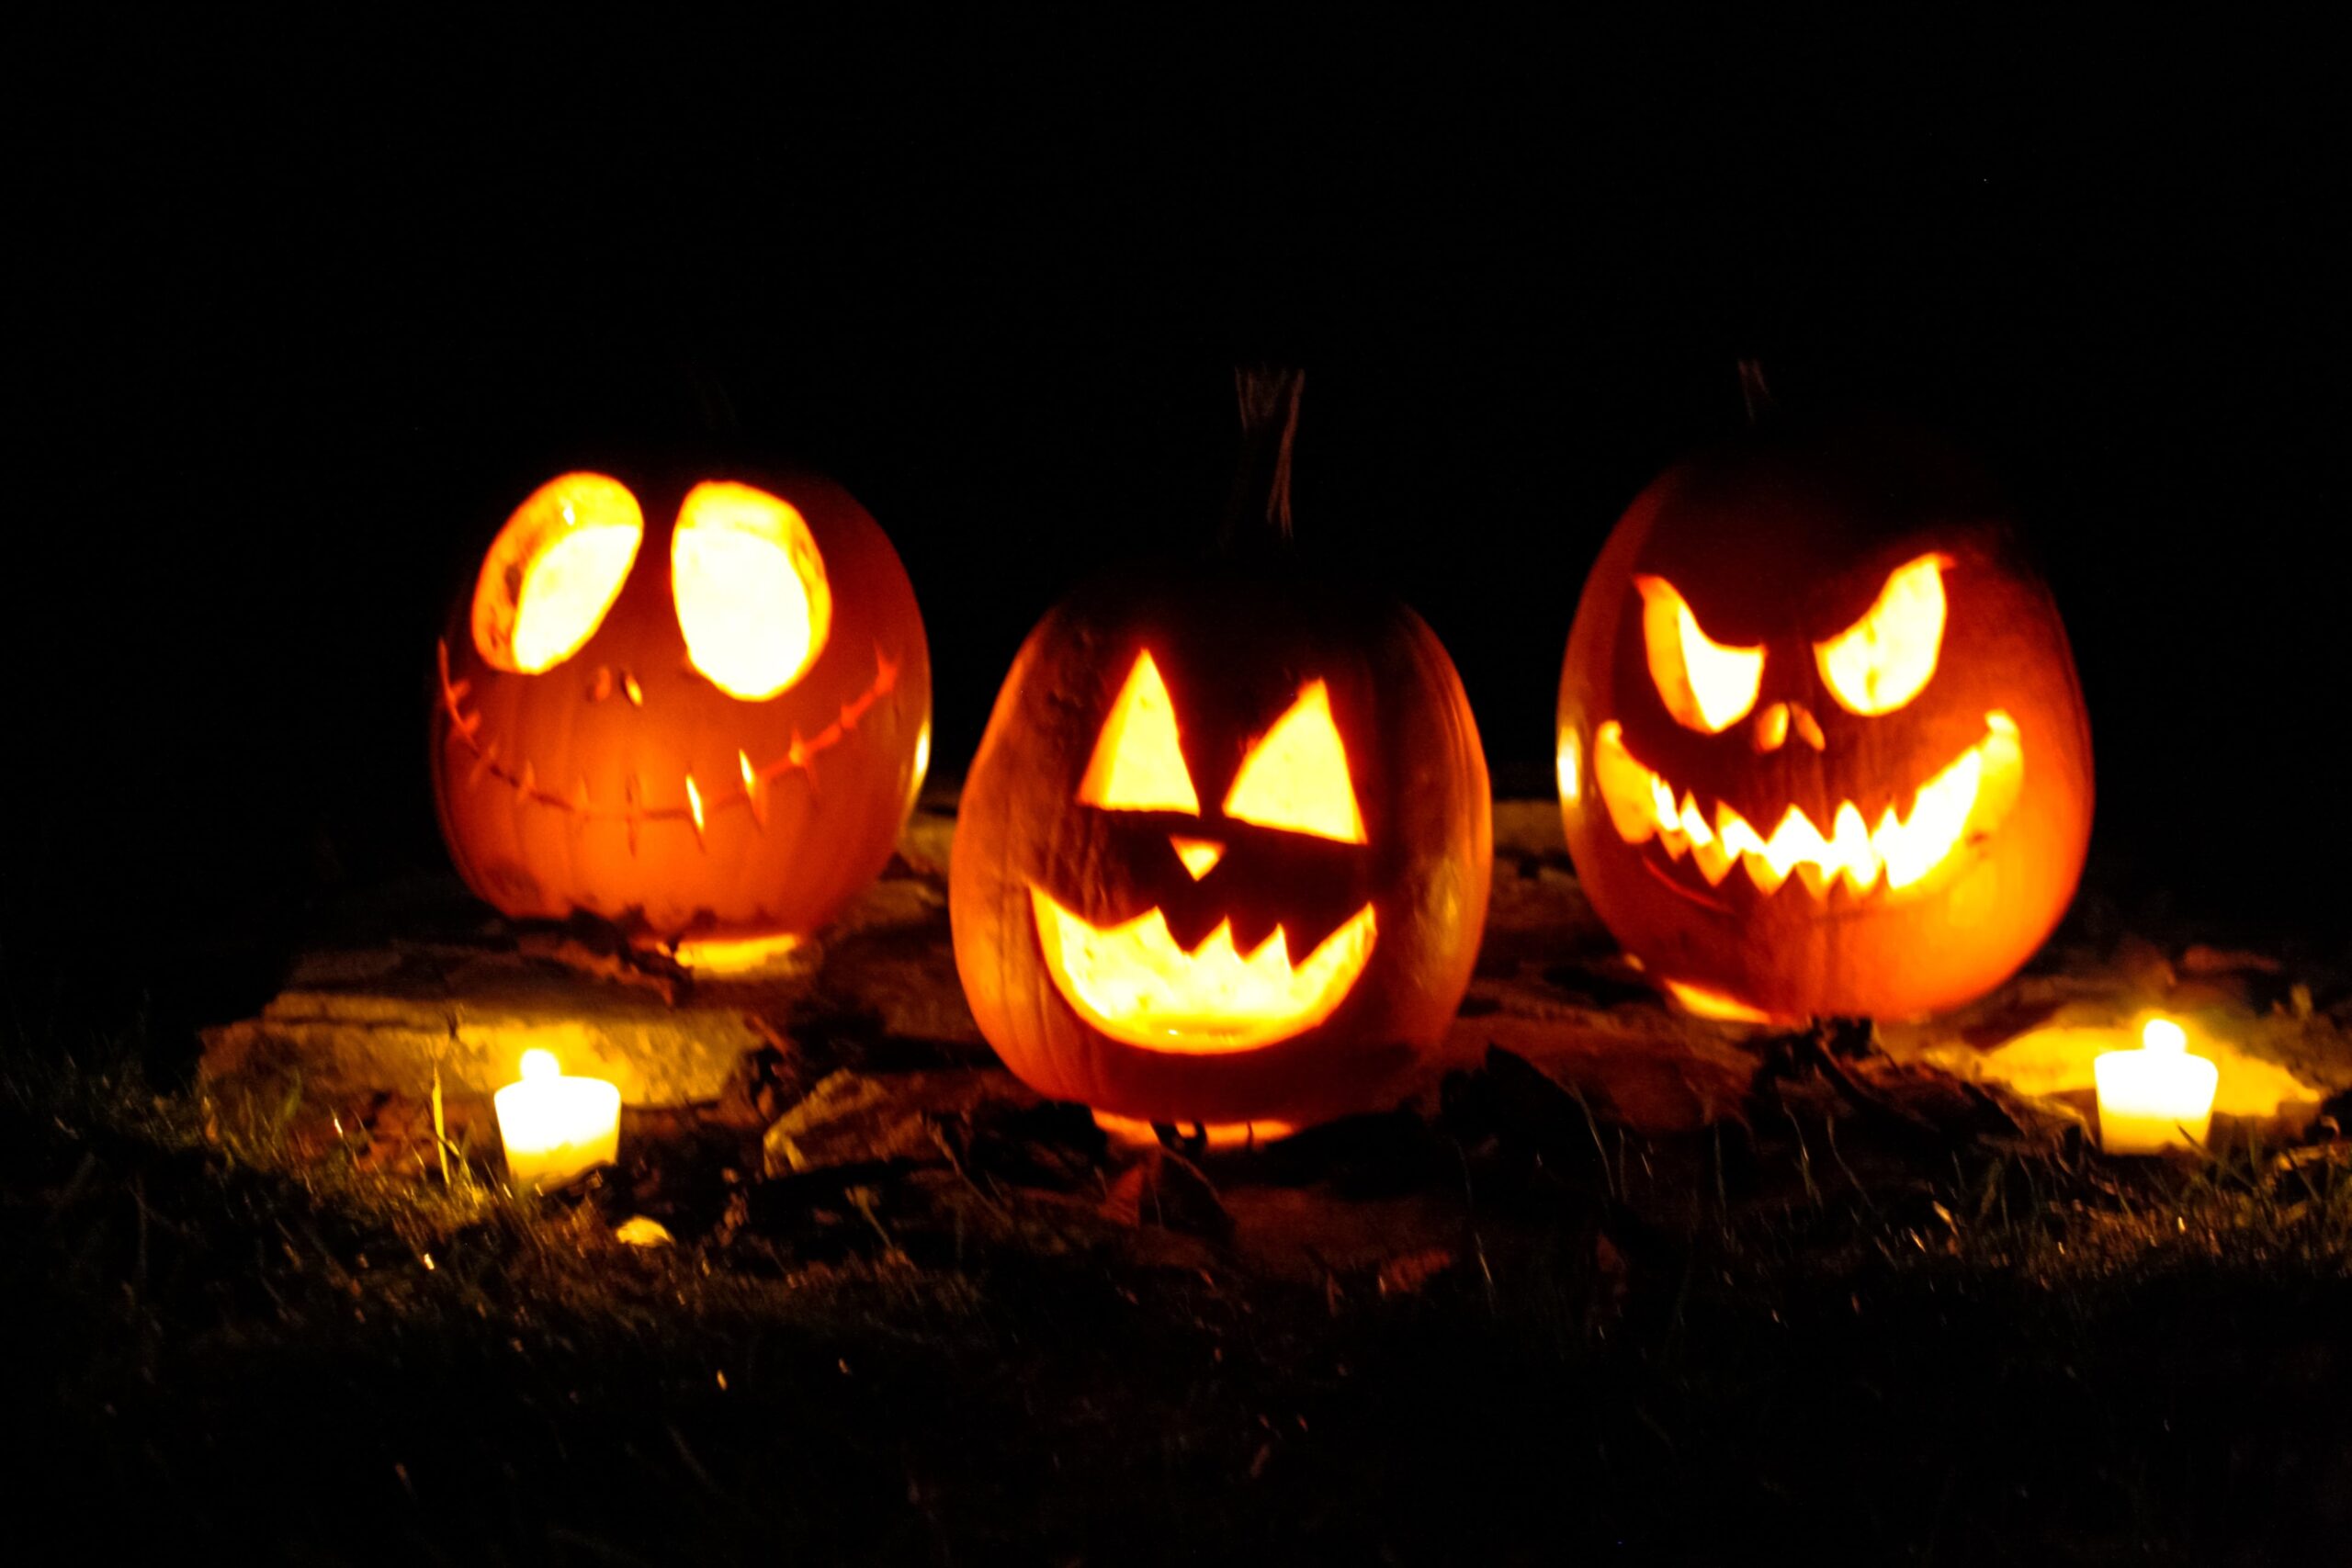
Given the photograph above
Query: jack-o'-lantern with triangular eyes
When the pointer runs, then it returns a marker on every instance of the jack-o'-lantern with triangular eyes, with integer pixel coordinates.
(1222, 857)
(1822, 749)
(698, 707)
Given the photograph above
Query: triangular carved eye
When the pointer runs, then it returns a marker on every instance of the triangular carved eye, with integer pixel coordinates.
(1885, 659)
(1296, 776)
(1137, 764)
(752, 600)
(554, 571)
(1705, 684)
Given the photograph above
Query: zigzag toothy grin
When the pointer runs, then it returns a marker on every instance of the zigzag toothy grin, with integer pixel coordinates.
(1962, 802)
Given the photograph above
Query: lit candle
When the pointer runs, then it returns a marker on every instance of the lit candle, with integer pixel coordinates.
(555, 1127)
(2156, 1097)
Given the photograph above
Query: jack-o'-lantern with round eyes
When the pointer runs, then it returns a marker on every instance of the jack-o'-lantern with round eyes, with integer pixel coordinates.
(699, 709)
(1822, 749)
(1223, 854)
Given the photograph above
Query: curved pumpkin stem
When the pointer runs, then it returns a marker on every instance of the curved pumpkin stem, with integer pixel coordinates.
(1267, 397)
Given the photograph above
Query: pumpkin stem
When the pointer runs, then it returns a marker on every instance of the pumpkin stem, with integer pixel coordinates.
(1268, 396)
(1752, 390)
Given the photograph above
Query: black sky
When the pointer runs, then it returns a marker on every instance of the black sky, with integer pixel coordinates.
(305, 313)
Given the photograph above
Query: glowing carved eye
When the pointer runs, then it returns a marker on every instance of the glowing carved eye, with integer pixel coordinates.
(750, 583)
(554, 571)
(1706, 685)
(1296, 777)
(1880, 662)
(1138, 765)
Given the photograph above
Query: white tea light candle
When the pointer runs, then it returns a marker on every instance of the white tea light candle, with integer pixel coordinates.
(2156, 1097)
(556, 1127)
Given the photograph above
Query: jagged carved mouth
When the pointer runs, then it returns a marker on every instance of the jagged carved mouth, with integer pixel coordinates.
(1962, 803)
(1132, 981)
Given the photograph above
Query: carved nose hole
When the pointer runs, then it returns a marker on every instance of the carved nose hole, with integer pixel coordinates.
(636, 693)
(602, 686)
(1772, 727)
(1808, 726)
(1200, 855)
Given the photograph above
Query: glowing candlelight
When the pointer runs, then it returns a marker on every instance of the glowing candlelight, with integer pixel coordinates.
(555, 1127)
(2156, 1097)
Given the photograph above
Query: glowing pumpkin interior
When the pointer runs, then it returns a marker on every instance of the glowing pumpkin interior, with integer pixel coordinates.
(554, 571)
(1876, 666)
(751, 589)
(1132, 981)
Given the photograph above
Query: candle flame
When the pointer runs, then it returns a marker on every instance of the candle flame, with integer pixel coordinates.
(2164, 1034)
(537, 1065)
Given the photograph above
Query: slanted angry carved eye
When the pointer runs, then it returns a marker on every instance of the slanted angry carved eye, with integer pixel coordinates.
(1296, 776)
(1137, 764)
(752, 599)
(1704, 684)
(554, 571)
(1884, 659)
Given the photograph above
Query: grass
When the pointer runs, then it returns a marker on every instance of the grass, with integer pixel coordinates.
(1693, 1353)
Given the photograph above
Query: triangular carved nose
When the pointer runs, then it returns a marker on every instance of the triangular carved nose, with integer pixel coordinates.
(1200, 855)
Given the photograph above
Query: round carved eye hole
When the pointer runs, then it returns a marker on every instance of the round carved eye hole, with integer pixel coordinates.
(1704, 684)
(1882, 661)
(752, 599)
(554, 571)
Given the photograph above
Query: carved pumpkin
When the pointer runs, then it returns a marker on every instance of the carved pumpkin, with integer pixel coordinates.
(1822, 751)
(700, 709)
(1222, 857)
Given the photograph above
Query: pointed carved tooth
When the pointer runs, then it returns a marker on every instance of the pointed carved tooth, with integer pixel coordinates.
(523, 785)
(579, 798)
(483, 760)
(636, 693)
(1714, 859)
(694, 808)
(631, 795)
(458, 692)
(1760, 871)
(886, 670)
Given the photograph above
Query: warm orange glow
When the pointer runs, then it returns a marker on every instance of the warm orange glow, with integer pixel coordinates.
(2157, 1096)
(1296, 776)
(1964, 802)
(1882, 661)
(1701, 1002)
(556, 1127)
(2064, 1059)
(1137, 764)
(752, 599)
(1135, 984)
(554, 571)
(745, 957)
(1135, 1133)
(1200, 855)
(1569, 760)
(1704, 684)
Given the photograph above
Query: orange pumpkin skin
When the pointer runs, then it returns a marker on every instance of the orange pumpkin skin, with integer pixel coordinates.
(1235, 653)
(1782, 542)
(567, 790)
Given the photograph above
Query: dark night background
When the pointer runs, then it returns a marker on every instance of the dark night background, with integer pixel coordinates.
(304, 316)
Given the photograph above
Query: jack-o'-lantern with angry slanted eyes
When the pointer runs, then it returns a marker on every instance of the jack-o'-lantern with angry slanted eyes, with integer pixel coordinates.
(1222, 857)
(697, 707)
(1822, 749)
